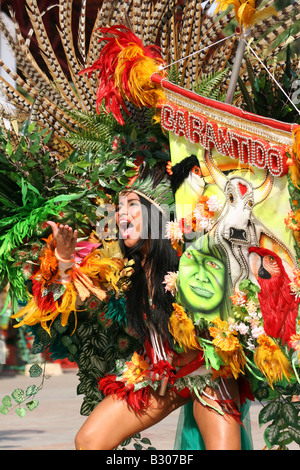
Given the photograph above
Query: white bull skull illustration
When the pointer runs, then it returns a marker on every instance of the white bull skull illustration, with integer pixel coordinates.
(236, 228)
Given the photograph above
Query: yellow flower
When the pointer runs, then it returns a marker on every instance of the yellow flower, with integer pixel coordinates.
(245, 11)
(182, 329)
(136, 369)
(271, 361)
(228, 347)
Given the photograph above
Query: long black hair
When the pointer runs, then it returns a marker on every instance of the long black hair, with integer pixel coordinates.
(154, 307)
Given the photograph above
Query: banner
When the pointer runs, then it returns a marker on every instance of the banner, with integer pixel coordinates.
(230, 179)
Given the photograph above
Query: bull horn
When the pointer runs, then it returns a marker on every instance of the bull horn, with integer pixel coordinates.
(217, 175)
(262, 192)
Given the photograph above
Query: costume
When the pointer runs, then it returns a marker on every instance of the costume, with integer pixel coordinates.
(219, 171)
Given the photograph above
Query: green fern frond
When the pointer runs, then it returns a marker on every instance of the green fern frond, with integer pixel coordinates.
(95, 131)
(86, 141)
(174, 75)
(209, 85)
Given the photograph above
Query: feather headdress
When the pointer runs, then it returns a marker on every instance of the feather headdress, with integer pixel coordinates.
(124, 70)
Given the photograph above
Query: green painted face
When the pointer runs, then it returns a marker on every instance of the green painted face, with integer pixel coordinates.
(201, 282)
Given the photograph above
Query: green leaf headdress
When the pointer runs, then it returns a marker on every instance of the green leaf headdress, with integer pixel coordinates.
(159, 194)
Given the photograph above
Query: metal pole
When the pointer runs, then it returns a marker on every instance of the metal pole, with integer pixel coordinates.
(235, 71)
(237, 63)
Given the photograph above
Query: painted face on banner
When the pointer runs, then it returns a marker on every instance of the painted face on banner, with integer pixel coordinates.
(129, 218)
(201, 281)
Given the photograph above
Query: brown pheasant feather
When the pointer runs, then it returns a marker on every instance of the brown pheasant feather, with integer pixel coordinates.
(180, 28)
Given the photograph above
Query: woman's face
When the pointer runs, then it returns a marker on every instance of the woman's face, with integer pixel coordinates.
(129, 219)
(201, 282)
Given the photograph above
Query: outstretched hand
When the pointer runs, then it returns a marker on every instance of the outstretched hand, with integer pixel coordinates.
(66, 239)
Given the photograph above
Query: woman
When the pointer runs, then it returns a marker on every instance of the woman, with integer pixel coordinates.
(149, 310)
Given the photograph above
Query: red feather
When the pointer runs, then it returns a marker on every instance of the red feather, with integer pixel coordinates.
(138, 400)
(230, 408)
(279, 307)
(45, 303)
(112, 88)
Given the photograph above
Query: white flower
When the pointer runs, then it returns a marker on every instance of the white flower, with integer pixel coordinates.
(254, 321)
(242, 328)
(250, 344)
(214, 204)
(198, 212)
(253, 313)
(170, 281)
(239, 327)
(173, 231)
(203, 222)
(257, 331)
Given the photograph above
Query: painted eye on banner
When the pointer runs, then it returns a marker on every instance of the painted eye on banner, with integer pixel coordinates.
(213, 265)
(196, 170)
(231, 197)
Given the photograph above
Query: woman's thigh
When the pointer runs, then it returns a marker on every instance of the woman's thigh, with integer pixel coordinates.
(219, 431)
(113, 421)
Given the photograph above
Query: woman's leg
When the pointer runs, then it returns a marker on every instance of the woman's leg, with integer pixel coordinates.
(219, 432)
(112, 421)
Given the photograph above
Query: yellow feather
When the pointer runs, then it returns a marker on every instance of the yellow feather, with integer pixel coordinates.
(32, 315)
(68, 303)
(182, 329)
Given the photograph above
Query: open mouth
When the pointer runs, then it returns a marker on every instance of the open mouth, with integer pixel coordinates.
(126, 228)
(202, 292)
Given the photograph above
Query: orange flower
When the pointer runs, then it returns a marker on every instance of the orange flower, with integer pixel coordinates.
(136, 369)
(292, 221)
(271, 361)
(205, 211)
(238, 298)
(228, 346)
(294, 343)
